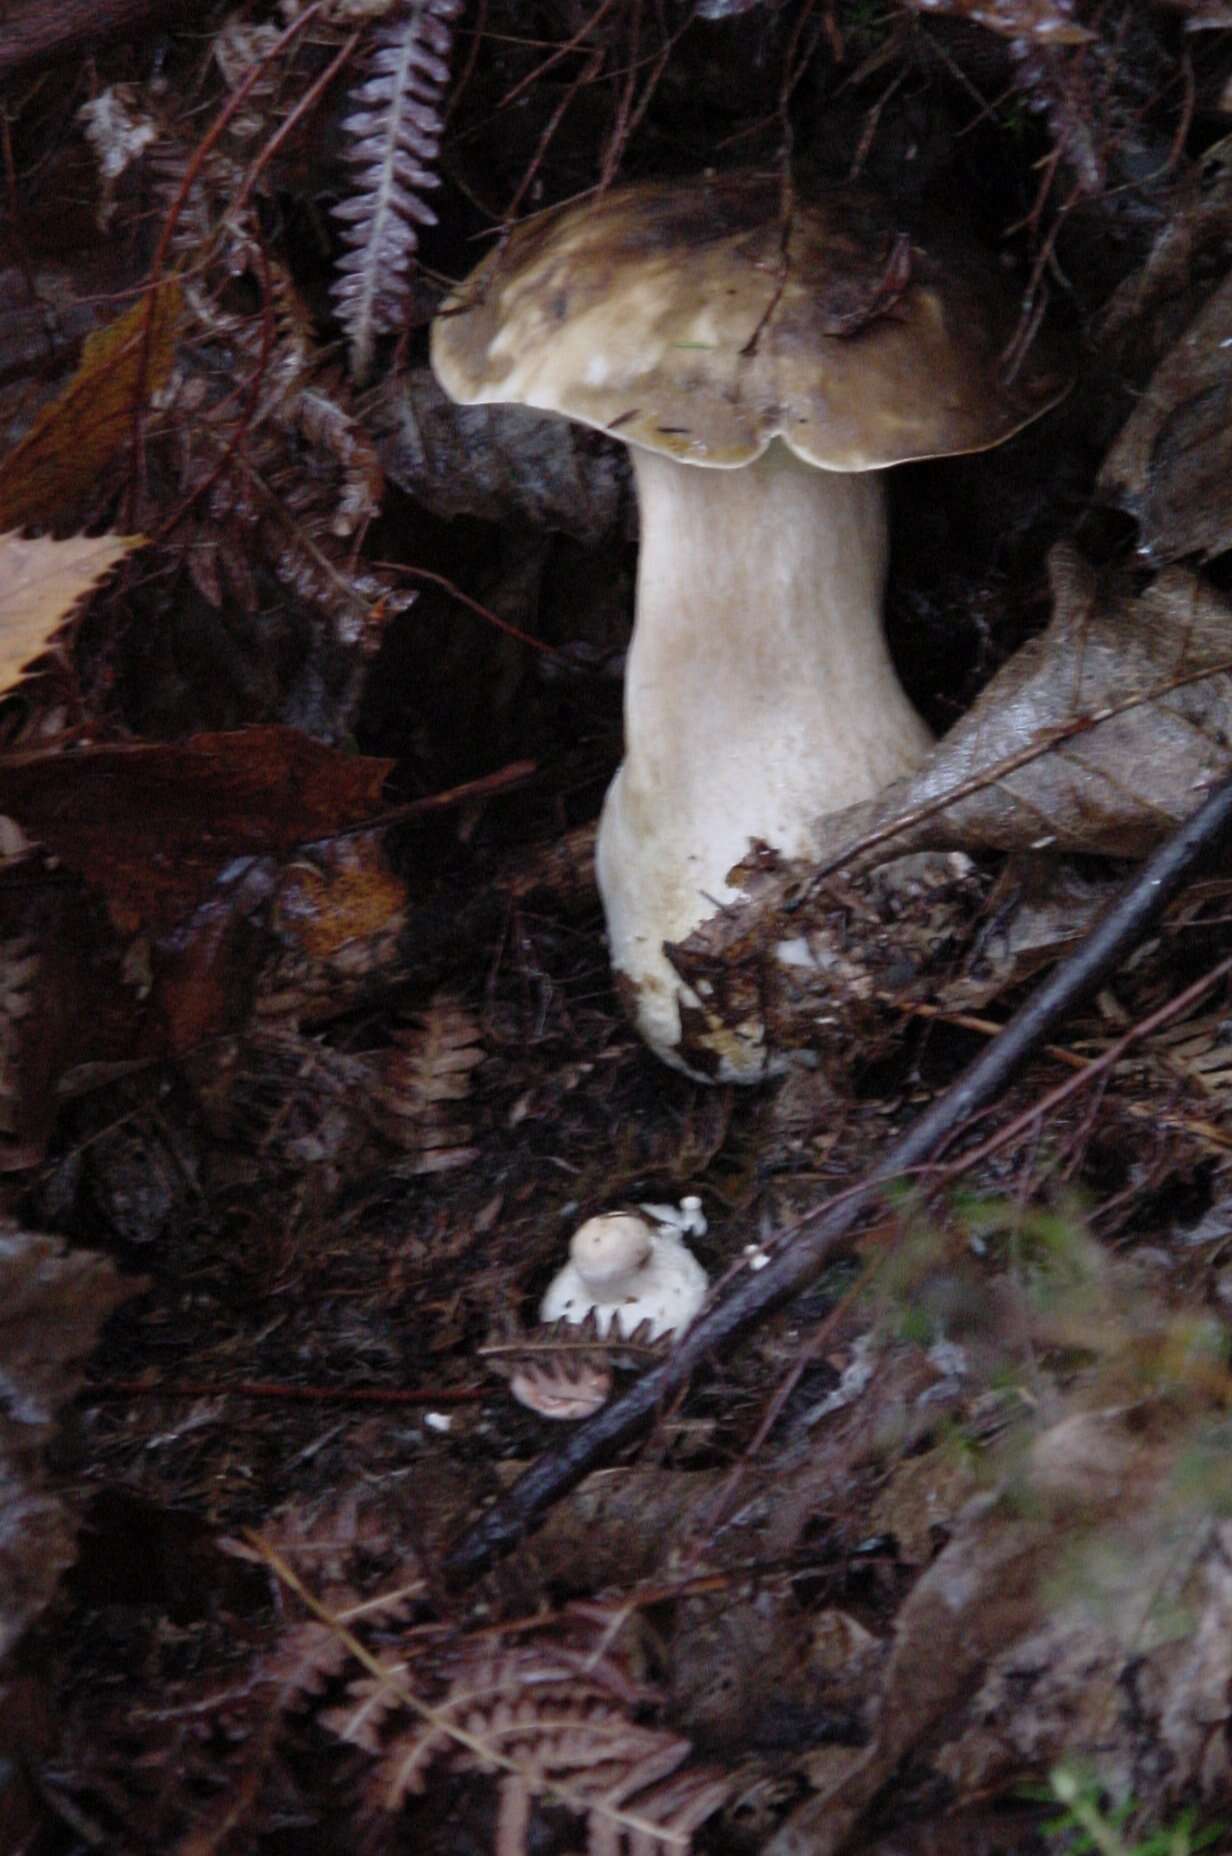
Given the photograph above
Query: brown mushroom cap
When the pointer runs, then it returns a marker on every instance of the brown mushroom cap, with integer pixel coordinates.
(704, 318)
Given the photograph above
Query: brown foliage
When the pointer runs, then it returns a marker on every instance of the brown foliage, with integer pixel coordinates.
(153, 824)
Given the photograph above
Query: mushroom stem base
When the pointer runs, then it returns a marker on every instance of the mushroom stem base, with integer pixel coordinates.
(759, 695)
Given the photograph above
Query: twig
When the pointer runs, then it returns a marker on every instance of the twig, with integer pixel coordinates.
(473, 605)
(282, 1393)
(1095, 1067)
(1126, 923)
(485, 786)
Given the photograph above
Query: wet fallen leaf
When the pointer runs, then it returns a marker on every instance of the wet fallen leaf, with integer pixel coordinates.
(983, 1598)
(40, 582)
(201, 972)
(152, 824)
(1100, 736)
(1171, 467)
(74, 439)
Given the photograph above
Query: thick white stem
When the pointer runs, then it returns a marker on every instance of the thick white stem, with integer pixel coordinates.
(759, 694)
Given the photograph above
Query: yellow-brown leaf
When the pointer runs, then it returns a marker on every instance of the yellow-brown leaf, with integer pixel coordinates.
(75, 438)
(40, 582)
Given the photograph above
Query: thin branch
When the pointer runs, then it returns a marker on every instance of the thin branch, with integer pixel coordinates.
(279, 1392)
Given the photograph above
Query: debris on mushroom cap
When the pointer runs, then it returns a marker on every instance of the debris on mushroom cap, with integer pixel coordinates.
(624, 1273)
(705, 317)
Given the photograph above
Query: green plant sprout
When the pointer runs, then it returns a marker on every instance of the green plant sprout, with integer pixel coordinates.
(1090, 1827)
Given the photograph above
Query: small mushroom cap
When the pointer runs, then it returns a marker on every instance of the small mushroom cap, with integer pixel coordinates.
(607, 1250)
(705, 318)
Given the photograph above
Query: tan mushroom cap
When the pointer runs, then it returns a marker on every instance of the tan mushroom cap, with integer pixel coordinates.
(704, 318)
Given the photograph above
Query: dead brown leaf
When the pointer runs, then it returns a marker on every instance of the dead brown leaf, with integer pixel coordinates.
(988, 1591)
(1098, 737)
(40, 582)
(1171, 467)
(499, 463)
(152, 824)
(74, 439)
(1147, 312)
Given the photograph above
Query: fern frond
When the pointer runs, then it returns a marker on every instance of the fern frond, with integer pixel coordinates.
(394, 137)
(370, 1702)
(430, 1069)
(548, 1726)
(545, 1716)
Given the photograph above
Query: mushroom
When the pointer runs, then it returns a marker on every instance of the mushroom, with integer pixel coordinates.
(626, 1270)
(765, 357)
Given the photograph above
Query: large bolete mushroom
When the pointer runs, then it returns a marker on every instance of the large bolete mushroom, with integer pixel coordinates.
(765, 356)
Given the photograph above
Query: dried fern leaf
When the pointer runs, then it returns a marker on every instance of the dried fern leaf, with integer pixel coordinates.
(331, 427)
(304, 1661)
(394, 138)
(308, 1657)
(370, 1702)
(334, 1542)
(329, 1542)
(429, 1070)
(541, 1714)
(677, 1809)
(564, 1369)
(549, 1725)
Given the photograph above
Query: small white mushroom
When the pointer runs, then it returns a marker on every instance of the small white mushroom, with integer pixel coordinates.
(625, 1272)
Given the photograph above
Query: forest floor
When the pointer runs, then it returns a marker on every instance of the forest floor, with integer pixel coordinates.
(311, 1060)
